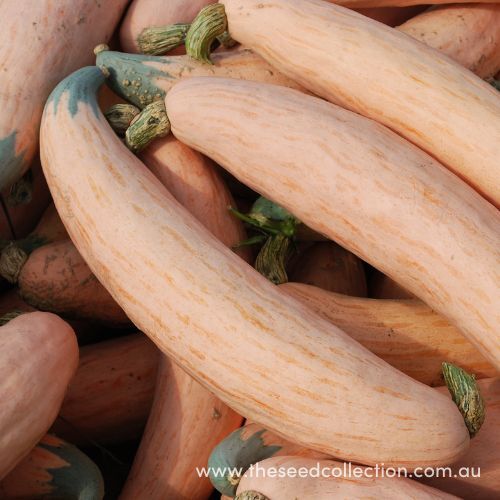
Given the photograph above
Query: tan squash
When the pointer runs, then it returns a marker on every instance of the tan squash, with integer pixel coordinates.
(41, 42)
(406, 333)
(38, 357)
(409, 82)
(469, 34)
(192, 295)
(274, 482)
(110, 397)
(395, 206)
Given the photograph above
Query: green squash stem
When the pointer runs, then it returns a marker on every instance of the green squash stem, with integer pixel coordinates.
(120, 116)
(250, 495)
(466, 395)
(159, 40)
(272, 259)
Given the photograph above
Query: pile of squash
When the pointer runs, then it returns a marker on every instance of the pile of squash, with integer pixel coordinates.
(253, 232)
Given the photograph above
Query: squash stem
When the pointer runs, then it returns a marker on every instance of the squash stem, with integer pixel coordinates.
(10, 316)
(150, 123)
(120, 116)
(466, 395)
(272, 259)
(159, 40)
(210, 23)
(250, 495)
(21, 192)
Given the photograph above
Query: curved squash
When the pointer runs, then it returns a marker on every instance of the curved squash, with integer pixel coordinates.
(406, 333)
(397, 209)
(62, 35)
(192, 295)
(409, 82)
(331, 267)
(469, 34)
(110, 397)
(55, 278)
(38, 357)
(281, 487)
(54, 469)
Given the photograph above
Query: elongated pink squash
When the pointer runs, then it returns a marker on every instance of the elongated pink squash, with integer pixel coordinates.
(469, 34)
(415, 90)
(327, 480)
(355, 4)
(406, 333)
(147, 13)
(41, 42)
(38, 357)
(360, 184)
(309, 380)
(110, 397)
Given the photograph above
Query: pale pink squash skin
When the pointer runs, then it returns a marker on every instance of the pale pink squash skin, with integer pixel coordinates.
(355, 4)
(41, 42)
(484, 452)
(186, 420)
(416, 91)
(38, 357)
(395, 206)
(406, 333)
(469, 34)
(192, 295)
(56, 278)
(185, 423)
(110, 397)
(147, 13)
(326, 488)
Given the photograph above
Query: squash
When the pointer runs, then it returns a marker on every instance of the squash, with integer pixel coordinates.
(392, 16)
(469, 34)
(140, 79)
(185, 424)
(186, 419)
(276, 485)
(147, 13)
(191, 295)
(244, 447)
(54, 469)
(55, 278)
(42, 41)
(333, 52)
(483, 456)
(38, 357)
(110, 397)
(365, 4)
(395, 206)
(331, 267)
(406, 333)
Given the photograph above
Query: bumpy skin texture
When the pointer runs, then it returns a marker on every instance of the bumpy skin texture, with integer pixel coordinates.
(38, 357)
(383, 74)
(192, 295)
(406, 333)
(54, 469)
(186, 419)
(325, 488)
(469, 34)
(484, 453)
(41, 42)
(110, 397)
(56, 278)
(147, 13)
(394, 206)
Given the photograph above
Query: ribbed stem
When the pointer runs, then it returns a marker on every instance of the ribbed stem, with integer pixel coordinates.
(466, 395)
(120, 116)
(226, 41)
(10, 316)
(12, 261)
(250, 495)
(273, 257)
(210, 23)
(162, 39)
(21, 192)
(150, 123)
